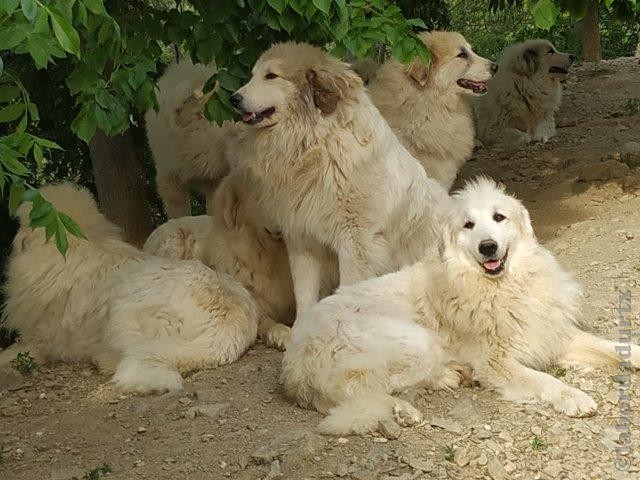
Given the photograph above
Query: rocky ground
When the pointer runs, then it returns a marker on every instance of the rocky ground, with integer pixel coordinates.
(65, 422)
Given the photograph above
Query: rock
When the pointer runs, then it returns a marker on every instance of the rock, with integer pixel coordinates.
(536, 431)
(211, 410)
(612, 397)
(496, 469)
(630, 154)
(482, 459)
(141, 430)
(603, 171)
(463, 456)
(446, 424)
(553, 469)
(422, 464)
(389, 429)
(274, 471)
(68, 474)
(298, 442)
(464, 411)
(10, 378)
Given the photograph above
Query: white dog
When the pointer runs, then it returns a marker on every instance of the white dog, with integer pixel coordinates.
(524, 95)
(189, 150)
(236, 239)
(428, 105)
(145, 318)
(491, 299)
(331, 170)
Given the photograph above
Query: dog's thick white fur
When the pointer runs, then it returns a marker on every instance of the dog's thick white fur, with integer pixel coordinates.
(237, 240)
(189, 150)
(524, 95)
(507, 313)
(428, 106)
(145, 319)
(331, 171)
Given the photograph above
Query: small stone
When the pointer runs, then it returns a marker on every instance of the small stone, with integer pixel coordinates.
(421, 464)
(274, 471)
(510, 467)
(553, 469)
(389, 429)
(138, 463)
(462, 456)
(342, 440)
(446, 424)
(211, 410)
(380, 440)
(10, 378)
(536, 430)
(496, 469)
(142, 430)
(505, 437)
(482, 459)
(612, 397)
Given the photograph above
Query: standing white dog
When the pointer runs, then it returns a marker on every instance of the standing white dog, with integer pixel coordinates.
(491, 299)
(332, 172)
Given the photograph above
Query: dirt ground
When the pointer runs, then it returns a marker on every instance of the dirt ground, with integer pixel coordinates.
(233, 422)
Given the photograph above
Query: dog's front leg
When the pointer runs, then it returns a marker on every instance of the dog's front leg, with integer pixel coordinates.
(361, 257)
(518, 383)
(305, 260)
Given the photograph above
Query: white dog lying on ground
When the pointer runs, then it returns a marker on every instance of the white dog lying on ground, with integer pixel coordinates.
(524, 95)
(237, 240)
(331, 171)
(491, 299)
(145, 318)
(428, 106)
(188, 149)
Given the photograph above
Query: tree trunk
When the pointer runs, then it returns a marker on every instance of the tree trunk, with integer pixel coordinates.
(591, 49)
(121, 194)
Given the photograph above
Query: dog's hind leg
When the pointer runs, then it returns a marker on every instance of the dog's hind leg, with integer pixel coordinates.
(362, 413)
(587, 349)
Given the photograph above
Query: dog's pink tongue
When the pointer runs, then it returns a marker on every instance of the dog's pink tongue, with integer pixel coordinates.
(492, 264)
(247, 117)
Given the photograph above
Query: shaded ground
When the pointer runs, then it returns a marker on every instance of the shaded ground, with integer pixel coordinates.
(234, 422)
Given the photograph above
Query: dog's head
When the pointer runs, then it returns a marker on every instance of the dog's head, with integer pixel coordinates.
(538, 57)
(487, 228)
(294, 79)
(452, 64)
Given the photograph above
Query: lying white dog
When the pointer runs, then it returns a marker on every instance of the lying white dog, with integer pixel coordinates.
(236, 239)
(524, 95)
(491, 299)
(331, 171)
(145, 318)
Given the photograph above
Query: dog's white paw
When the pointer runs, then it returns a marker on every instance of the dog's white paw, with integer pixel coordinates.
(454, 375)
(278, 336)
(575, 403)
(406, 414)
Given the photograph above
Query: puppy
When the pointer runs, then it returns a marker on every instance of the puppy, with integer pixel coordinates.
(189, 150)
(331, 171)
(144, 319)
(524, 95)
(237, 240)
(428, 105)
(490, 299)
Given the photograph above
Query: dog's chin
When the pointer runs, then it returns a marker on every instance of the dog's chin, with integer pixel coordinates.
(494, 268)
(474, 87)
(558, 73)
(263, 118)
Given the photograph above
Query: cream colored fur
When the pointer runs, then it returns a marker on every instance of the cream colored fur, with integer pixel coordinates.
(237, 240)
(351, 353)
(189, 150)
(143, 318)
(523, 96)
(332, 172)
(427, 109)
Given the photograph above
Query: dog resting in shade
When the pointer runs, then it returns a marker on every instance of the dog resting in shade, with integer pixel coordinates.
(143, 318)
(491, 299)
(524, 95)
(428, 105)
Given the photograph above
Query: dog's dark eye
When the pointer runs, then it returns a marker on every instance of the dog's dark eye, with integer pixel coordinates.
(270, 76)
(463, 54)
(498, 217)
(551, 50)
(469, 225)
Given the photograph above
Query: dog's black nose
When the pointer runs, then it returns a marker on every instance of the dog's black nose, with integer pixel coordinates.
(572, 57)
(235, 100)
(494, 68)
(488, 248)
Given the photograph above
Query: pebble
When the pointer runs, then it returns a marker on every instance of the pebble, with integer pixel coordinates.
(342, 440)
(496, 469)
(446, 424)
(389, 429)
(211, 410)
(141, 430)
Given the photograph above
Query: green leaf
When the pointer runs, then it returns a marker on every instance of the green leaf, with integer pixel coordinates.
(22, 126)
(9, 93)
(39, 211)
(545, 13)
(13, 165)
(11, 112)
(278, 5)
(82, 79)
(61, 238)
(9, 6)
(65, 33)
(37, 154)
(70, 225)
(323, 5)
(84, 126)
(29, 9)
(227, 81)
(12, 36)
(95, 6)
(44, 220)
(15, 195)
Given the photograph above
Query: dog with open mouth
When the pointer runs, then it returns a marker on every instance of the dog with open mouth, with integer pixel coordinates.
(524, 95)
(490, 302)
(331, 171)
(428, 105)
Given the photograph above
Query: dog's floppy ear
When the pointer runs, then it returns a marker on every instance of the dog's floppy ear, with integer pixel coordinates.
(226, 200)
(524, 222)
(330, 84)
(527, 64)
(419, 72)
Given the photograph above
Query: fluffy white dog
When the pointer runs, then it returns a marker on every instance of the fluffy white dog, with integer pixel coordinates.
(189, 150)
(491, 299)
(331, 171)
(524, 95)
(145, 319)
(238, 240)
